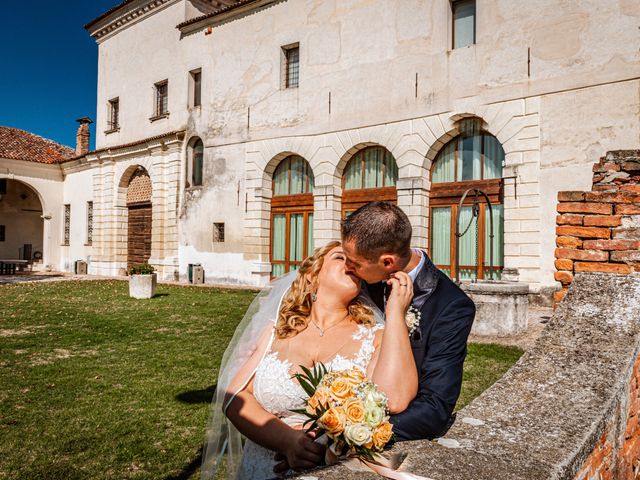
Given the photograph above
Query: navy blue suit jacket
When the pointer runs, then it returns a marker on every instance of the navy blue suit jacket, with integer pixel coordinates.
(439, 348)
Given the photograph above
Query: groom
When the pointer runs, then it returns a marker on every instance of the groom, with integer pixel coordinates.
(376, 239)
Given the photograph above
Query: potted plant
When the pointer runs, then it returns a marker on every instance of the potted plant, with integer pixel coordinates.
(142, 281)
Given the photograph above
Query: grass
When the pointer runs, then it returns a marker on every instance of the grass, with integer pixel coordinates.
(94, 384)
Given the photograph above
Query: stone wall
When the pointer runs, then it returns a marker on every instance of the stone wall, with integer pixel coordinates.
(568, 409)
(599, 231)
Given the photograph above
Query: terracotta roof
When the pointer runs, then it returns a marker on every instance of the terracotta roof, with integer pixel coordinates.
(236, 4)
(18, 144)
(107, 13)
(130, 144)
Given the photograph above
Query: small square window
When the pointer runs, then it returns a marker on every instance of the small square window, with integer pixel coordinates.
(162, 98)
(114, 114)
(195, 90)
(464, 23)
(2, 233)
(3, 186)
(291, 66)
(218, 232)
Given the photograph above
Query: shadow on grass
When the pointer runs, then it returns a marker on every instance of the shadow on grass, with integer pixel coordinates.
(188, 470)
(157, 295)
(198, 396)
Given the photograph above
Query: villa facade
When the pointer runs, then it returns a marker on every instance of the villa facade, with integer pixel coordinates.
(238, 134)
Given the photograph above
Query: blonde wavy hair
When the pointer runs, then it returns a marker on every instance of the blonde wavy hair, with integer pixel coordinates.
(296, 304)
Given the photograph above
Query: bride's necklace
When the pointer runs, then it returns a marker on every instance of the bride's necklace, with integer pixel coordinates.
(322, 330)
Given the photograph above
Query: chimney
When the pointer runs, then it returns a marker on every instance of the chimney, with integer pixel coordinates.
(83, 136)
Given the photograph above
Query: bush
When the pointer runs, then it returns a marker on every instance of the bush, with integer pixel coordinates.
(142, 269)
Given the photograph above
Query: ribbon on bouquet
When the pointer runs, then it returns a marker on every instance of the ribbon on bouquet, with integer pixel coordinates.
(388, 468)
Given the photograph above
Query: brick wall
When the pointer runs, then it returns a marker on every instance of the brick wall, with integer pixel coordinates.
(599, 231)
(606, 462)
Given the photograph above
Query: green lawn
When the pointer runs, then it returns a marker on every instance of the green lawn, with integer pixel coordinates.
(96, 385)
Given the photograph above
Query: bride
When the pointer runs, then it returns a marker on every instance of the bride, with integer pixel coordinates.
(314, 315)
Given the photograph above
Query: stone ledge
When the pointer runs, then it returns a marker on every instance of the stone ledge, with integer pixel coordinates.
(543, 419)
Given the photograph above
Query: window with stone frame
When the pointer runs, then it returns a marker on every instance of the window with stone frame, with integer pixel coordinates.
(162, 98)
(473, 159)
(3, 186)
(66, 234)
(291, 215)
(291, 66)
(114, 115)
(195, 154)
(464, 23)
(89, 223)
(2, 233)
(370, 175)
(195, 88)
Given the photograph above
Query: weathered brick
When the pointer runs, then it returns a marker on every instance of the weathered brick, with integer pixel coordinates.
(627, 209)
(577, 207)
(631, 166)
(586, 255)
(602, 267)
(634, 188)
(563, 277)
(616, 244)
(627, 233)
(564, 264)
(569, 219)
(626, 256)
(559, 295)
(606, 167)
(605, 187)
(602, 221)
(610, 197)
(570, 242)
(570, 196)
(586, 232)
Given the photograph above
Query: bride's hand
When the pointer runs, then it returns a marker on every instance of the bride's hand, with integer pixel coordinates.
(401, 295)
(302, 452)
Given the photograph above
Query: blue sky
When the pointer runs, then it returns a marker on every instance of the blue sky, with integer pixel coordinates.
(49, 66)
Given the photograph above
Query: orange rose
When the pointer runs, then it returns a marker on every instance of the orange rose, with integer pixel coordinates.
(354, 410)
(340, 389)
(382, 434)
(320, 398)
(333, 421)
(355, 376)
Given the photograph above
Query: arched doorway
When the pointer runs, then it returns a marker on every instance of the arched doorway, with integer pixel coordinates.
(21, 222)
(291, 215)
(370, 175)
(139, 221)
(473, 159)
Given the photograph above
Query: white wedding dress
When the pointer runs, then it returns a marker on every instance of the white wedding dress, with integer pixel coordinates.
(278, 394)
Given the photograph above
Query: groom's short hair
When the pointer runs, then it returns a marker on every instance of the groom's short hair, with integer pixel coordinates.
(377, 228)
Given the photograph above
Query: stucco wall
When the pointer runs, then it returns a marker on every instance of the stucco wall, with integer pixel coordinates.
(557, 84)
(47, 182)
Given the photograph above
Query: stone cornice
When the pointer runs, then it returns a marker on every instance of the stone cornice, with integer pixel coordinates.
(224, 14)
(171, 141)
(128, 13)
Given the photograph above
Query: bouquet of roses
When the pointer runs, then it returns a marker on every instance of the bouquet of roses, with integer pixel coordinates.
(348, 408)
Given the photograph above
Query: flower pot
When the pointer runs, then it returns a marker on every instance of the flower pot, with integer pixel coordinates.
(143, 286)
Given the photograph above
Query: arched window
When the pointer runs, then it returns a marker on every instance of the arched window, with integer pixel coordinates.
(473, 159)
(197, 155)
(291, 215)
(370, 175)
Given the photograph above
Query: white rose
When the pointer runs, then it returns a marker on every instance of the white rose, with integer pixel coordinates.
(373, 415)
(357, 434)
(377, 397)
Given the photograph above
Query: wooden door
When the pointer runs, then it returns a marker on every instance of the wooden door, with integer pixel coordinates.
(139, 234)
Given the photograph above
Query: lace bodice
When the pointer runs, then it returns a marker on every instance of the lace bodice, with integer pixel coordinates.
(278, 393)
